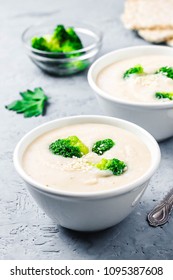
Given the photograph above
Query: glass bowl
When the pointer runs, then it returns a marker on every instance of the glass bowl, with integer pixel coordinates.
(62, 64)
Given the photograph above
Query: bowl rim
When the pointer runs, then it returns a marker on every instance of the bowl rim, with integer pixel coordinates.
(103, 94)
(87, 195)
(87, 26)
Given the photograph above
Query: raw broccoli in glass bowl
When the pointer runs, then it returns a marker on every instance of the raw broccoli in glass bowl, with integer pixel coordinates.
(62, 49)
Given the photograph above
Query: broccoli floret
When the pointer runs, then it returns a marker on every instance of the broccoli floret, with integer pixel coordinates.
(137, 69)
(69, 147)
(60, 34)
(58, 39)
(53, 43)
(168, 95)
(102, 146)
(40, 44)
(62, 40)
(167, 71)
(76, 43)
(115, 165)
(68, 39)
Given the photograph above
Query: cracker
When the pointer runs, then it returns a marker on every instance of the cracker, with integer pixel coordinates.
(148, 14)
(170, 42)
(156, 35)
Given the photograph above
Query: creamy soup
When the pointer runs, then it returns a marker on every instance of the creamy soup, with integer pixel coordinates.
(75, 174)
(137, 88)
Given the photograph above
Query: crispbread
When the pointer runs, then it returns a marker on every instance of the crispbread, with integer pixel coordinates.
(148, 14)
(170, 42)
(156, 35)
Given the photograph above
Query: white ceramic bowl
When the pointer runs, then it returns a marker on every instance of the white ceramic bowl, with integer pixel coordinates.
(88, 211)
(156, 118)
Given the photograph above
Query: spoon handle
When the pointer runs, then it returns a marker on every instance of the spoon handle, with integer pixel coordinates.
(160, 214)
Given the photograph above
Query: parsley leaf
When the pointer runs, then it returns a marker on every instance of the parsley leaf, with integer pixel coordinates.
(32, 103)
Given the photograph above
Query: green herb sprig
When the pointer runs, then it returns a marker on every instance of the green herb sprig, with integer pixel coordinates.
(32, 103)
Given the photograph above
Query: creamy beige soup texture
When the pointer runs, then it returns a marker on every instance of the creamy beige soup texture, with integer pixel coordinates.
(137, 88)
(74, 174)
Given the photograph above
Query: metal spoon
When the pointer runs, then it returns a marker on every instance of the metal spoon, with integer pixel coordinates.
(161, 213)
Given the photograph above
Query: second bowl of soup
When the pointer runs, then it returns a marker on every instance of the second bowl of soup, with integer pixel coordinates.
(136, 84)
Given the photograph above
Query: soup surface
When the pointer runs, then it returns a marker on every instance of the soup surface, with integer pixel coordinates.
(137, 88)
(75, 174)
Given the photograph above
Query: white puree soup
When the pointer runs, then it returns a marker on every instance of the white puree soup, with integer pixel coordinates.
(137, 88)
(75, 174)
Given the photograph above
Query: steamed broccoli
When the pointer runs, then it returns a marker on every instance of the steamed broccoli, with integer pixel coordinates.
(60, 34)
(167, 71)
(115, 165)
(40, 44)
(72, 42)
(102, 146)
(62, 40)
(168, 95)
(137, 69)
(69, 147)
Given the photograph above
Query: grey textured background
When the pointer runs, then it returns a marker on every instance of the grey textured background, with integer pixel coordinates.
(25, 231)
